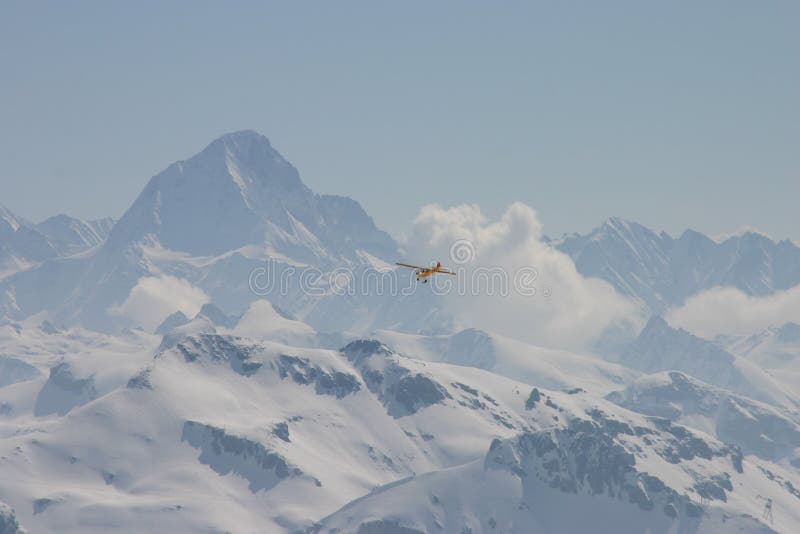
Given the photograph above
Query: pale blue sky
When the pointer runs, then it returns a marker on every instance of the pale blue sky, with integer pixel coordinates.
(675, 114)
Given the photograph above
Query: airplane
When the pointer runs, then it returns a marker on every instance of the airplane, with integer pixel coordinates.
(424, 272)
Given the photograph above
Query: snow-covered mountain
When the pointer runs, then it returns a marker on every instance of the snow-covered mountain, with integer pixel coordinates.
(69, 235)
(660, 347)
(662, 271)
(757, 428)
(212, 220)
(240, 191)
(224, 433)
(537, 366)
(776, 349)
(24, 244)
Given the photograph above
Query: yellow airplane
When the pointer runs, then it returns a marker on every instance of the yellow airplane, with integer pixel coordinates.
(424, 272)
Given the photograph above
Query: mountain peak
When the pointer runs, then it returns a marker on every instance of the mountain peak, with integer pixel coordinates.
(243, 141)
(617, 224)
(244, 134)
(657, 323)
(248, 153)
(10, 218)
(624, 228)
(240, 191)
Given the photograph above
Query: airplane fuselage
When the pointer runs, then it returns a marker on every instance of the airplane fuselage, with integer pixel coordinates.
(424, 273)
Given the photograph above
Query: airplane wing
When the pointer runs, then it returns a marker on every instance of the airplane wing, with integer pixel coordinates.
(444, 271)
(410, 266)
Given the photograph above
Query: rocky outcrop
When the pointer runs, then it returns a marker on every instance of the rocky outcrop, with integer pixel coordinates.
(598, 456)
(226, 453)
(757, 428)
(63, 391)
(402, 390)
(302, 371)
(8, 521)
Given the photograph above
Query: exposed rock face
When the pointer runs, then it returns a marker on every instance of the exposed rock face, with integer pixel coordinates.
(600, 456)
(755, 427)
(617, 471)
(402, 390)
(238, 354)
(216, 316)
(243, 357)
(301, 371)
(534, 397)
(63, 391)
(357, 351)
(226, 453)
(141, 380)
(281, 430)
(8, 521)
(199, 325)
(172, 321)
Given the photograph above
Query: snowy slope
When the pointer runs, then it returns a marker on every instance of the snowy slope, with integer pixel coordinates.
(224, 433)
(757, 428)
(660, 347)
(232, 434)
(583, 466)
(776, 349)
(540, 366)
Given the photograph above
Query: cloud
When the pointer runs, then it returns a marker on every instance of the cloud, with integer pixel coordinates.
(153, 298)
(729, 311)
(567, 310)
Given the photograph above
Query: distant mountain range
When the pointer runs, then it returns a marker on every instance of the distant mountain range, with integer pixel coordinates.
(661, 271)
(218, 215)
(24, 244)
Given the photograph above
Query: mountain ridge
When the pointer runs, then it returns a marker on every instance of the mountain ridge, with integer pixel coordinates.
(662, 271)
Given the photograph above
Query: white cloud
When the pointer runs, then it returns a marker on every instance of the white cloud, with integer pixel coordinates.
(729, 311)
(575, 312)
(153, 298)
